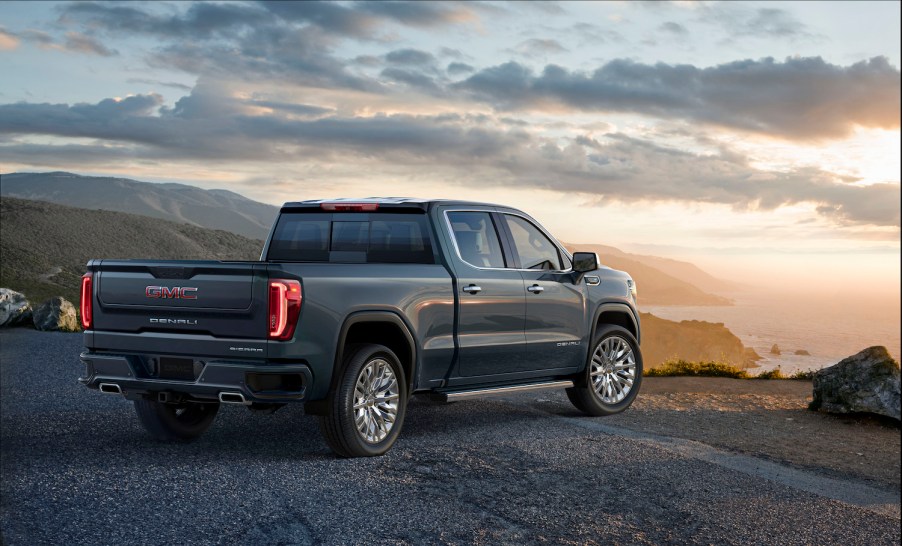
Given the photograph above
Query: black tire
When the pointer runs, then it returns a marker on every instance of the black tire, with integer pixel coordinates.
(339, 425)
(584, 394)
(175, 422)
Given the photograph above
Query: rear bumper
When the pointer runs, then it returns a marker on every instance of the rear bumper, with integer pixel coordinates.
(130, 375)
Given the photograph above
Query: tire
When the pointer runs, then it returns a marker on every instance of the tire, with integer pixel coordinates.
(609, 385)
(366, 409)
(175, 422)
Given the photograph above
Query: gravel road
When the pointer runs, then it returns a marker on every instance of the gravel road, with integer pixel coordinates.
(78, 469)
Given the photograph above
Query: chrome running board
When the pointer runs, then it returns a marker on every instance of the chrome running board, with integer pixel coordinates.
(461, 395)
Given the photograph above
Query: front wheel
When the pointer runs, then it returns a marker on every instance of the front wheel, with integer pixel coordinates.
(613, 374)
(176, 422)
(366, 409)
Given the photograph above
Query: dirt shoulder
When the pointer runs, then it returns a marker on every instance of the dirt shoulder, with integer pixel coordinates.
(769, 419)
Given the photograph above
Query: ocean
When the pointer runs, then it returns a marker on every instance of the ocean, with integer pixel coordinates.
(830, 328)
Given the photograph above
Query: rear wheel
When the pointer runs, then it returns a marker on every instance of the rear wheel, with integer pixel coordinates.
(366, 409)
(181, 422)
(613, 374)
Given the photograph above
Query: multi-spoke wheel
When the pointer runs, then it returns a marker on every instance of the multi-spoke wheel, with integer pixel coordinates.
(366, 409)
(176, 422)
(613, 374)
(375, 400)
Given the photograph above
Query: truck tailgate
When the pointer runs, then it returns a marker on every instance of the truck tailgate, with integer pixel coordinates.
(219, 299)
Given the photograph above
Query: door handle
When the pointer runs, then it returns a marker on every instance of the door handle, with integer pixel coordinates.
(535, 289)
(472, 289)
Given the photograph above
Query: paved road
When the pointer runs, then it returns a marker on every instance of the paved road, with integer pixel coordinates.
(77, 469)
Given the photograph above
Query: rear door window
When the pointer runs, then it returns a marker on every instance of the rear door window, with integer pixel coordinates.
(374, 238)
(476, 239)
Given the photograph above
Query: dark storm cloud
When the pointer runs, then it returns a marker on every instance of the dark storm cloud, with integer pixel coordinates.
(800, 98)
(212, 125)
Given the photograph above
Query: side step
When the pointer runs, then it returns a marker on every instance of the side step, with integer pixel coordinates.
(462, 395)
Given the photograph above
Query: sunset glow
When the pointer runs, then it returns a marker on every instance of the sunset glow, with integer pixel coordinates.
(686, 128)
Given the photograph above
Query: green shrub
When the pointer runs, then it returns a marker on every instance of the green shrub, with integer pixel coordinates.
(673, 368)
(773, 374)
(807, 375)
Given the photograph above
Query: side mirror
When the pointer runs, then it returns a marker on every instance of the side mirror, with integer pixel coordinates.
(584, 262)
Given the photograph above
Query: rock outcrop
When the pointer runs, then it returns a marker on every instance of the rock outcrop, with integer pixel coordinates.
(56, 314)
(775, 349)
(867, 382)
(692, 340)
(801, 352)
(14, 308)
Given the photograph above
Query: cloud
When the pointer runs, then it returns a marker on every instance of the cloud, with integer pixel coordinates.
(74, 42)
(207, 20)
(213, 124)
(455, 69)
(767, 23)
(800, 98)
(174, 85)
(410, 57)
(8, 40)
(673, 28)
(86, 44)
(536, 47)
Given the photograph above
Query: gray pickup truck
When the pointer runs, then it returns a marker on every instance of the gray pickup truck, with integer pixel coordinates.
(355, 306)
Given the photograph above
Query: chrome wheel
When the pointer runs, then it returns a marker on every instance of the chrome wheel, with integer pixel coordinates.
(613, 369)
(376, 399)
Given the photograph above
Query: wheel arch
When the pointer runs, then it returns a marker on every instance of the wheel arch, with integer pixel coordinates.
(382, 328)
(618, 314)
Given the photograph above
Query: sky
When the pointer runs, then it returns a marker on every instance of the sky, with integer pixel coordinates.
(759, 139)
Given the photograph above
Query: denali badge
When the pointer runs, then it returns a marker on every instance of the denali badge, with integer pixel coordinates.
(246, 349)
(176, 292)
(186, 322)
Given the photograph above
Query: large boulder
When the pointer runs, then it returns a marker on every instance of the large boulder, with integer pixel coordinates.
(56, 314)
(867, 382)
(14, 308)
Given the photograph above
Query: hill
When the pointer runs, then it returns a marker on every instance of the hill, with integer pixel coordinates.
(692, 340)
(684, 271)
(657, 287)
(214, 209)
(44, 247)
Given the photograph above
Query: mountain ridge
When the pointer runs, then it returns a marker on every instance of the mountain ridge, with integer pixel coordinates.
(214, 209)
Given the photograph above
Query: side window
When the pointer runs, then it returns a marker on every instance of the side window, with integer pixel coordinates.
(476, 239)
(536, 251)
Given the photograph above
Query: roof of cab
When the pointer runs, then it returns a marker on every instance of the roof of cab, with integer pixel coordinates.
(387, 202)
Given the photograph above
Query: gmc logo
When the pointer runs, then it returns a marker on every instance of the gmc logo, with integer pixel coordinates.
(176, 292)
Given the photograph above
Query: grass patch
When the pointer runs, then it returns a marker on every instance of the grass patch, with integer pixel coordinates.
(674, 368)
(683, 368)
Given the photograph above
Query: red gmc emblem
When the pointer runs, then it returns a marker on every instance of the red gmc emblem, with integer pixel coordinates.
(176, 292)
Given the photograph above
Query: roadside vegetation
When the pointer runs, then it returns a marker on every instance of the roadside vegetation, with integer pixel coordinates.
(679, 367)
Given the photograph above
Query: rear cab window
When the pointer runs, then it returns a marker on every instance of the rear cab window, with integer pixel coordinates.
(354, 237)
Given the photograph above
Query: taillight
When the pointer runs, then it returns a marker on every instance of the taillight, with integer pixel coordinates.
(284, 307)
(349, 207)
(87, 305)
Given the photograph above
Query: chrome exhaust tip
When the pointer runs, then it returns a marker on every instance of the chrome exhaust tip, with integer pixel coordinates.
(110, 388)
(232, 398)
